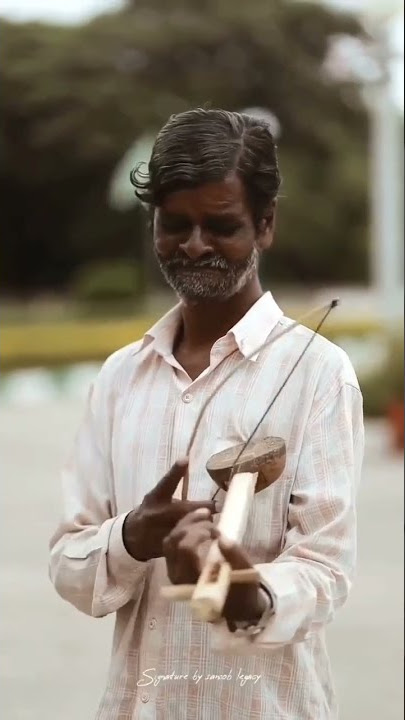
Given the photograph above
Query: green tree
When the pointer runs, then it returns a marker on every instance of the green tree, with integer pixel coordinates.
(73, 100)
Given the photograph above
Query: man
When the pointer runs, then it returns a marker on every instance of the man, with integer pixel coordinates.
(212, 189)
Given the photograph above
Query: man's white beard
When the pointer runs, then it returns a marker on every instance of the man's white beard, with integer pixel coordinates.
(204, 285)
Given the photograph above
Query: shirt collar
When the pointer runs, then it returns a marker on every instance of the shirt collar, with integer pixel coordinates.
(163, 332)
(253, 329)
(249, 333)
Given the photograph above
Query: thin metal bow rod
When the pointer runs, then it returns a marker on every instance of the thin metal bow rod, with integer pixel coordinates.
(234, 468)
(327, 308)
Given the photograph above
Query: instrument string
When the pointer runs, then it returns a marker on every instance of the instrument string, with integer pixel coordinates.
(235, 467)
(272, 339)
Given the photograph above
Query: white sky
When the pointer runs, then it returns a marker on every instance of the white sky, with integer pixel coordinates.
(77, 11)
(65, 11)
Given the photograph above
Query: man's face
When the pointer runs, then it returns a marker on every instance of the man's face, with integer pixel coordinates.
(205, 240)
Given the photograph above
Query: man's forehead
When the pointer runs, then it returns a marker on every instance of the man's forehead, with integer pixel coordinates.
(221, 197)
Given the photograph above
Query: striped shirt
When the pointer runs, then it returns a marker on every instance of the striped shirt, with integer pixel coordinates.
(301, 531)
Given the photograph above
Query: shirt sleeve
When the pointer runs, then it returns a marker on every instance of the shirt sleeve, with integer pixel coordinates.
(312, 576)
(89, 565)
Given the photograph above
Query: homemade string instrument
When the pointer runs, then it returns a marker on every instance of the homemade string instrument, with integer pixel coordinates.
(241, 471)
(258, 467)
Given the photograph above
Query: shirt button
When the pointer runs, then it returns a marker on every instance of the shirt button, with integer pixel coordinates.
(152, 624)
(145, 698)
(187, 398)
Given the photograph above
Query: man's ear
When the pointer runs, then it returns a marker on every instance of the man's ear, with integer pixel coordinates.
(267, 226)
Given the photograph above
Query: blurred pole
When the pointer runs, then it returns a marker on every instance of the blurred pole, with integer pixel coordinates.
(386, 145)
(122, 198)
(386, 232)
(386, 159)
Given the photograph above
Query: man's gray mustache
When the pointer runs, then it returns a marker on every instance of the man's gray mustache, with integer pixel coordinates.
(218, 264)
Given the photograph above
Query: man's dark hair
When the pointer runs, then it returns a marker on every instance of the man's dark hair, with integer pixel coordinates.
(202, 146)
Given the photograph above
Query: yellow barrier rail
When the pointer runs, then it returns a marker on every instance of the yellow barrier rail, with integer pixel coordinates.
(50, 344)
(69, 342)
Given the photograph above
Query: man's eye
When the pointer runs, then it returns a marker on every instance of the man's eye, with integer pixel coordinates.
(224, 230)
(174, 226)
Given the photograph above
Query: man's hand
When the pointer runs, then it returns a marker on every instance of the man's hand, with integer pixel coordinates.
(187, 545)
(145, 528)
(185, 549)
(244, 602)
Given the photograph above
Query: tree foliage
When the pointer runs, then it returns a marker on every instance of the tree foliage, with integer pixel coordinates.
(74, 98)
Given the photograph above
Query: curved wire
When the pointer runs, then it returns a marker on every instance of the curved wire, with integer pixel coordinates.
(234, 468)
(264, 345)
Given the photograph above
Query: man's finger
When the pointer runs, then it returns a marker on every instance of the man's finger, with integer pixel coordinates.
(195, 504)
(233, 553)
(188, 529)
(183, 540)
(168, 484)
(202, 514)
(174, 512)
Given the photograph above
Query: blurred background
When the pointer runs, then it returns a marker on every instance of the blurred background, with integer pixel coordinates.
(86, 85)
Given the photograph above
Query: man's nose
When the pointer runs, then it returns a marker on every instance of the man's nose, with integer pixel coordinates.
(196, 245)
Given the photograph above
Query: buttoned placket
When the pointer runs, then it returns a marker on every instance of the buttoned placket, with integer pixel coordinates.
(190, 398)
(192, 394)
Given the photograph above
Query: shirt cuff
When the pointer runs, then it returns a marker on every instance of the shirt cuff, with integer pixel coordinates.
(249, 629)
(121, 562)
(292, 618)
(279, 628)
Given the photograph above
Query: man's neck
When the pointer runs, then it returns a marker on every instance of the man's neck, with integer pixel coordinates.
(205, 321)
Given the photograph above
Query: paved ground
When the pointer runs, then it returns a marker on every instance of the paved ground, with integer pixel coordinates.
(54, 660)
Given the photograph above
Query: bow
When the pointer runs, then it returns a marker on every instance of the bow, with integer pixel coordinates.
(327, 308)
